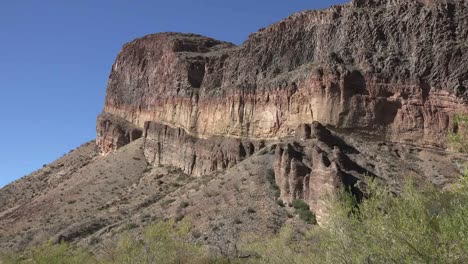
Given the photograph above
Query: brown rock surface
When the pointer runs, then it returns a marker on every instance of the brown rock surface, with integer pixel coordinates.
(316, 162)
(114, 132)
(165, 145)
(395, 69)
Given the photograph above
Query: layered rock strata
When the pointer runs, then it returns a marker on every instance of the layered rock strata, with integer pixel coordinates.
(396, 69)
(316, 162)
(114, 132)
(165, 145)
(392, 69)
(314, 166)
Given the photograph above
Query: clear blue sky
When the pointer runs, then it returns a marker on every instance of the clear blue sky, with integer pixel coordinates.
(55, 57)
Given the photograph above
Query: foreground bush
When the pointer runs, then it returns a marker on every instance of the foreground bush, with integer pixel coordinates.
(163, 242)
(425, 226)
(417, 226)
(303, 210)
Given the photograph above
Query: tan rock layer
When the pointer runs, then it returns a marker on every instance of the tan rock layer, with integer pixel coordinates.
(401, 112)
(165, 145)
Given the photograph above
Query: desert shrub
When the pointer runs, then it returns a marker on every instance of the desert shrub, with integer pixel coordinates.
(251, 210)
(270, 176)
(299, 204)
(279, 249)
(130, 226)
(184, 204)
(307, 216)
(459, 138)
(280, 203)
(303, 210)
(61, 254)
(11, 258)
(276, 191)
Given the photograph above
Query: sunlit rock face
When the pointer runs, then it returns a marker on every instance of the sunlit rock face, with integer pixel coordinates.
(114, 132)
(392, 69)
(314, 165)
(165, 145)
(397, 70)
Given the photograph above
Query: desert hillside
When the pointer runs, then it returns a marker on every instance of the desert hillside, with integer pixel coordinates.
(231, 137)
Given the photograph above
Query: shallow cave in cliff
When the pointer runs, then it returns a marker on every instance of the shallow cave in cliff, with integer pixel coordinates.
(196, 74)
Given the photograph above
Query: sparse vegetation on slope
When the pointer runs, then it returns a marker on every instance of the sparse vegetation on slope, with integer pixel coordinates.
(163, 242)
(421, 225)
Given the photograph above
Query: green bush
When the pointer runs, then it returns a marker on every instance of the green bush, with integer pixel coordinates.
(279, 249)
(61, 254)
(417, 226)
(459, 138)
(303, 210)
(300, 205)
(308, 217)
(270, 176)
(280, 203)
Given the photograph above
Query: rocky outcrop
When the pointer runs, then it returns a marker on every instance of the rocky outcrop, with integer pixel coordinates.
(114, 132)
(165, 145)
(316, 162)
(313, 167)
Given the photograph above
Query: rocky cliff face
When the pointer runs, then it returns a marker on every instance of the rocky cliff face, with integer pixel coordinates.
(314, 166)
(392, 69)
(165, 145)
(114, 132)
